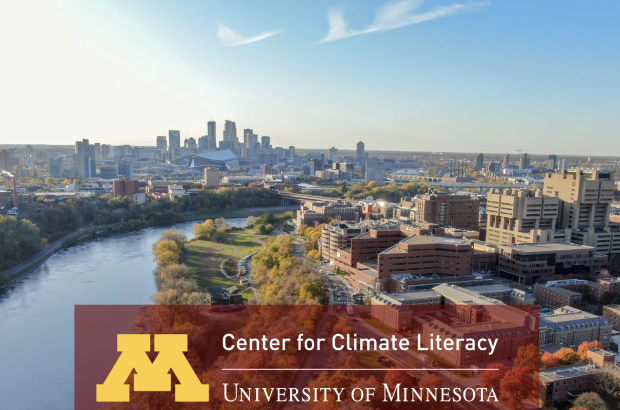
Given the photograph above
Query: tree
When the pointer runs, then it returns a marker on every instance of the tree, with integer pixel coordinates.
(221, 223)
(220, 234)
(204, 230)
(590, 401)
(528, 357)
(491, 379)
(583, 348)
(567, 356)
(550, 361)
(250, 221)
(394, 377)
(178, 237)
(516, 386)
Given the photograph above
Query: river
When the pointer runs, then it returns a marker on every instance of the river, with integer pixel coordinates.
(36, 314)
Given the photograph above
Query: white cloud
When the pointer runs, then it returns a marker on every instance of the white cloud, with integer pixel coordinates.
(394, 15)
(230, 38)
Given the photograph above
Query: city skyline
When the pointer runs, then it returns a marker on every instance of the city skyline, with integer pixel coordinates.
(301, 73)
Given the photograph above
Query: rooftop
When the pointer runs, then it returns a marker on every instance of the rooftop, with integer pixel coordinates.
(402, 298)
(564, 372)
(545, 247)
(464, 296)
(425, 240)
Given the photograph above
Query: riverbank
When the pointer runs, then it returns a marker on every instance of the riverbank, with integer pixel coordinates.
(90, 232)
(205, 258)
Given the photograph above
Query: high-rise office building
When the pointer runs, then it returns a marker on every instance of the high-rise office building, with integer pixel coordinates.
(211, 132)
(360, 154)
(5, 160)
(291, 150)
(125, 169)
(174, 139)
(552, 162)
(333, 154)
(106, 152)
(374, 171)
(506, 161)
(586, 197)
(265, 142)
(249, 142)
(524, 161)
(190, 143)
(230, 132)
(57, 167)
(83, 160)
(520, 216)
(162, 144)
(479, 162)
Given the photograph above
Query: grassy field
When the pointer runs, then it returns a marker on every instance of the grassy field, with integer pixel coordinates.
(378, 325)
(204, 258)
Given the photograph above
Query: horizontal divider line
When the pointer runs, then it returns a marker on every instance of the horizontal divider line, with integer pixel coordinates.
(439, 370)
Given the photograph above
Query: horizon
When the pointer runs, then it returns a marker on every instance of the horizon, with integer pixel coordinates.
(472, 76)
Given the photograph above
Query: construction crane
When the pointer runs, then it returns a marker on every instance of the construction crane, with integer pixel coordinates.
(520, 150)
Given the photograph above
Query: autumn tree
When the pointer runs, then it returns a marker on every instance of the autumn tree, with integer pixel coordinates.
(583, 348)
(516, 386)
(528, 357)
(491, 379)
(567, 356)
(550, 361)
(204, 230)
(590, 401)
(431, 381)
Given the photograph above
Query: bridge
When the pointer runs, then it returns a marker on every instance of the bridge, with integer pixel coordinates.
(289, 198)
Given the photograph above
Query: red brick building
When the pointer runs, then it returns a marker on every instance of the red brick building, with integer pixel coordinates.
(376, 255)
(460, 211)
(125, 187)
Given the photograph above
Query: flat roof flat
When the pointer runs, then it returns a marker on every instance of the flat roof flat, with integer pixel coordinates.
(545, 247)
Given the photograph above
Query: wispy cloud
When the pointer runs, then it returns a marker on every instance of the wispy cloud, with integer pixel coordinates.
(394, 15)
(230, 38)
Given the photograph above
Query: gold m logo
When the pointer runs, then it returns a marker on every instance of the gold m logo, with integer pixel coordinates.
(152, 376)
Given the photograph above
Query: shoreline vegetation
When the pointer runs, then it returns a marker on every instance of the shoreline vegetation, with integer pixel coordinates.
(185, 269)
(81, 234)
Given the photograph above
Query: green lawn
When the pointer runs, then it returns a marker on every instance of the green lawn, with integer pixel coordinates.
(378, 325)
(204, 257)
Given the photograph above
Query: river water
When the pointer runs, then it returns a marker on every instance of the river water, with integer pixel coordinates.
(36, 314)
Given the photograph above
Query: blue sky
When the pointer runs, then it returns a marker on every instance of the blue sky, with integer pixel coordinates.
(488, 76)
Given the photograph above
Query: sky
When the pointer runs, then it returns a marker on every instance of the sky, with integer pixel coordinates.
(437, 75)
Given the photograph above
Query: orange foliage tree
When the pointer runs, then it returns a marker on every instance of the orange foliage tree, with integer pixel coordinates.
(583, 348)
(491, 379)
(549, 361)
(567, 356)
(516, 386)
(528, 357)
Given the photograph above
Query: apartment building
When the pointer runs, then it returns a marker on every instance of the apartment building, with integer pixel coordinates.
(318, 211)
(125, 187)
(564, 383)
(612, 313)
(570, 327)
(461, 211)
(211, 177)
(555, 297)
(529, 263)
(586, 197)
(520, 216)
